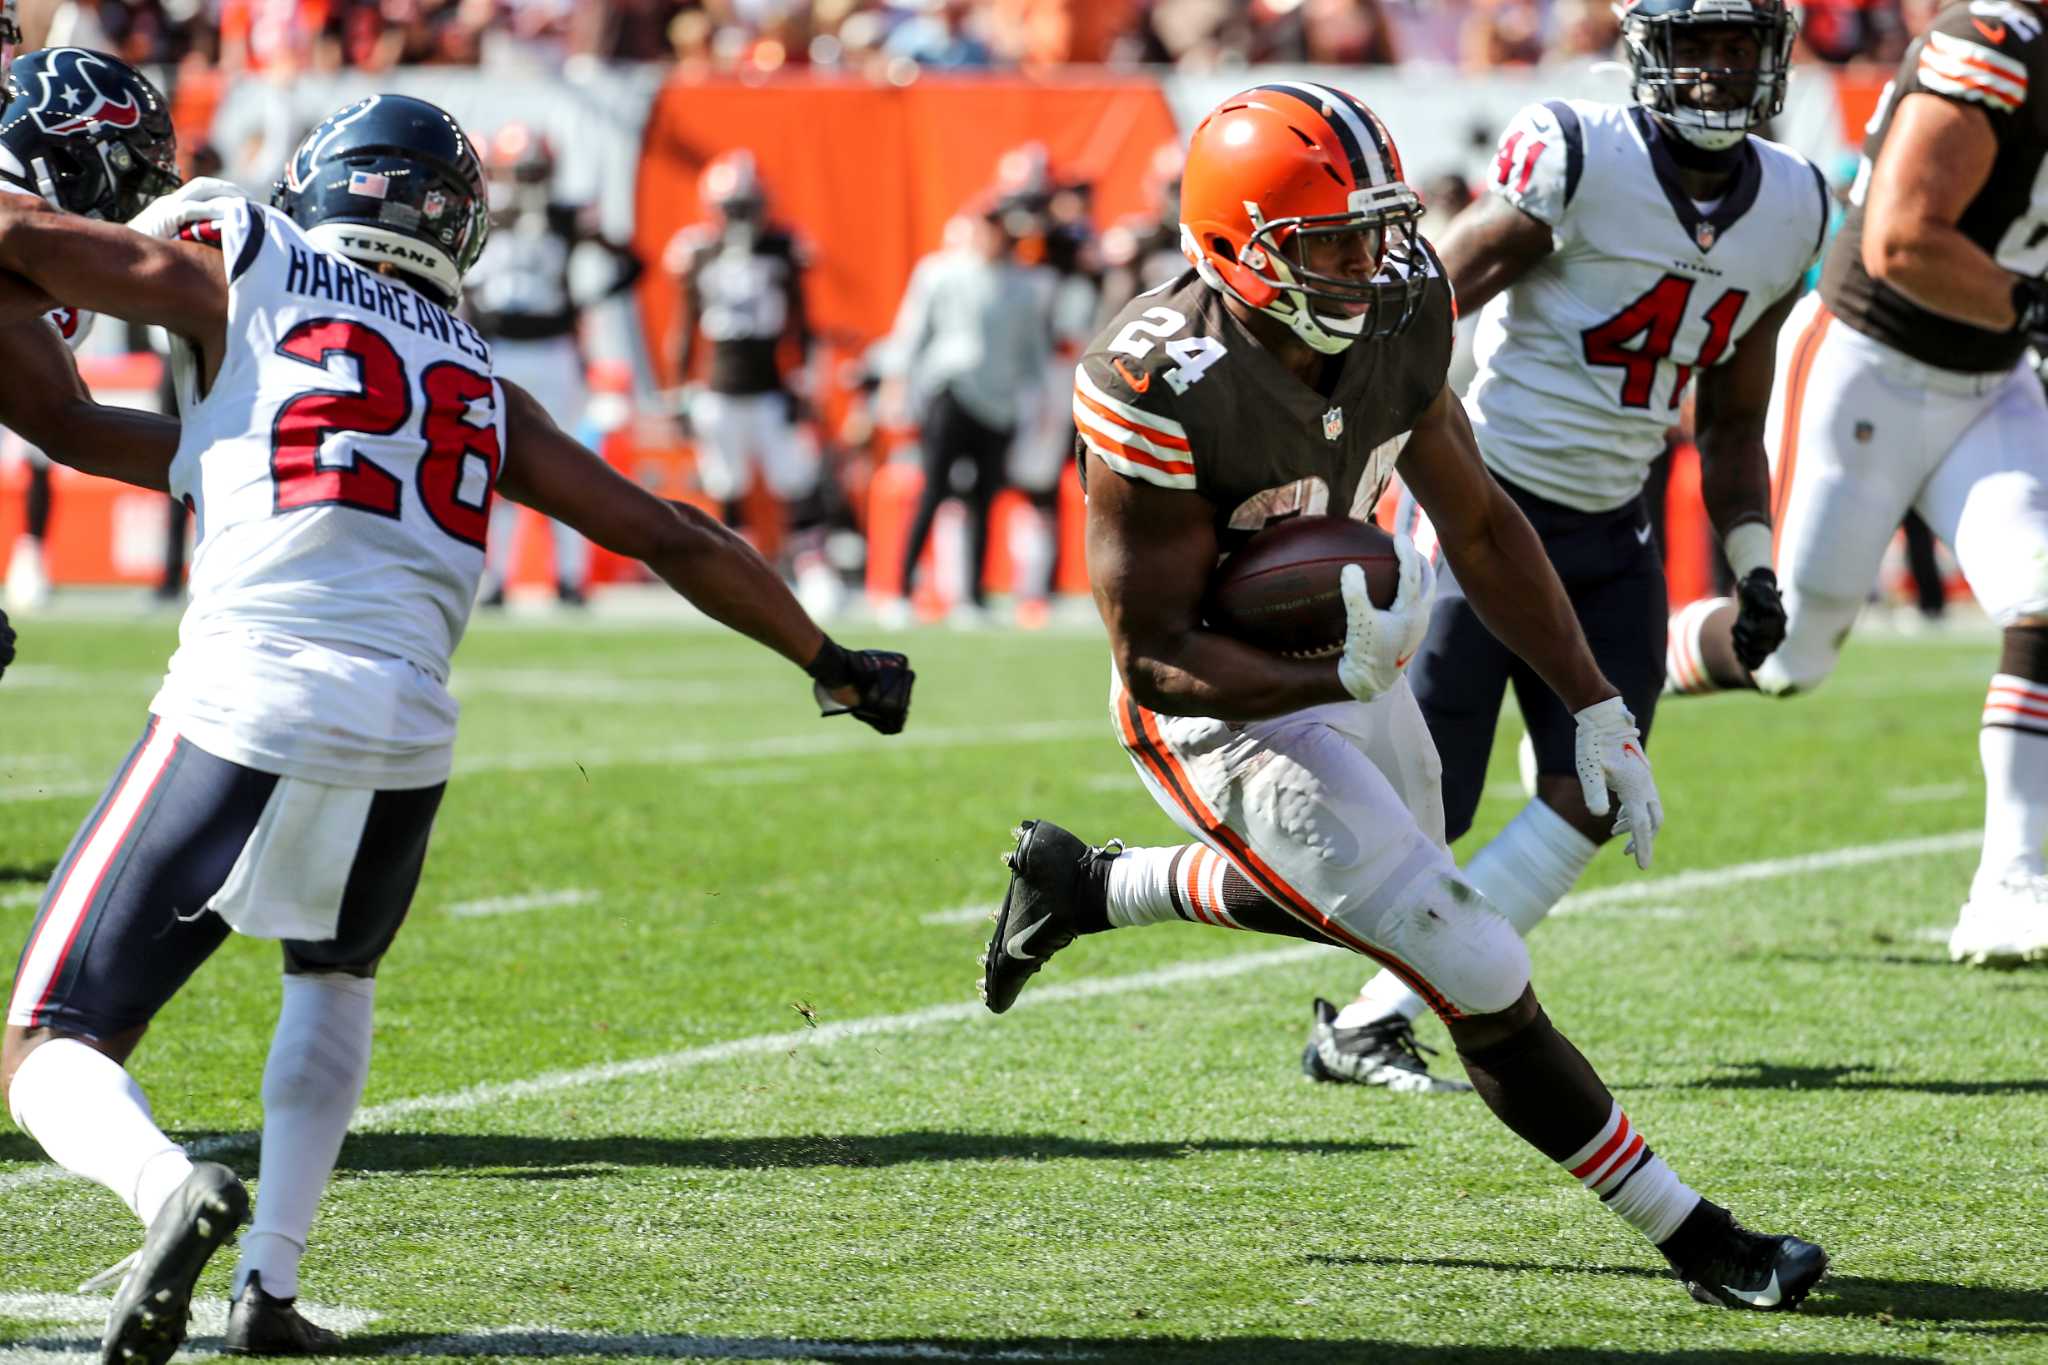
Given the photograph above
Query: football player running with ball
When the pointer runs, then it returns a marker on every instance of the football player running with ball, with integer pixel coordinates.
(1624, 250)
(1290, 373)
(1904, 385)
(342, 438)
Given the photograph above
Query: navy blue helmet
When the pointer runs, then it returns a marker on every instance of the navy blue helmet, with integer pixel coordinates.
(88, 132)
(1670, 91)
(392, 180)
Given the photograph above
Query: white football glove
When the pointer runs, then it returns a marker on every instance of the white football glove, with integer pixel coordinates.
(192, 202)
(1379, 641)
(1610, 754)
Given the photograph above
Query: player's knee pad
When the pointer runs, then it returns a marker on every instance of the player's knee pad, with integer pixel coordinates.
(1447, 933)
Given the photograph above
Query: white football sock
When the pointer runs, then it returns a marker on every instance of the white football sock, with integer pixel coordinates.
(1141, 887)
(2014, 747)
(92, 1118)
(319, 1059)
(1631, 1179)
(1523, 872)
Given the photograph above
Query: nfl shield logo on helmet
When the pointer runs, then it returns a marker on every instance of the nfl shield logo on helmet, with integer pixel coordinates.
(1333, 424)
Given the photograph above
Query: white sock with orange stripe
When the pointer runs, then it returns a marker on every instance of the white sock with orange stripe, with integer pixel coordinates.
(1685, 667)
(1152, 885)
(88, 1113)
(2014, 747)
(1631, 1179)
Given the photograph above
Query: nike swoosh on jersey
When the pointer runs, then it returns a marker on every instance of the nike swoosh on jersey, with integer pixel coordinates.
(1138, 382)
(1995, 32)
(1767, 1297)
(1642, 535)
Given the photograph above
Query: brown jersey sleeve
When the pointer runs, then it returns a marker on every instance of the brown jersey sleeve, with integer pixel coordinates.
(1124, 416)
(1978, 54)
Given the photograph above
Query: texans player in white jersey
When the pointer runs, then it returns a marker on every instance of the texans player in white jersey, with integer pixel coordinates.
(1300, 362)
(1904, 385)
(342, 439)
(1624, 252)
(92, 133)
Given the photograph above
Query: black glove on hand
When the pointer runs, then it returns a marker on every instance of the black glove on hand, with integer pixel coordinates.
(881, 679)
(6, 643)
(1759, 619)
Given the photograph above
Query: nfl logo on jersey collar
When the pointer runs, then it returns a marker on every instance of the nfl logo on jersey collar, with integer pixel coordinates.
(1703, 233)
(1333, 424)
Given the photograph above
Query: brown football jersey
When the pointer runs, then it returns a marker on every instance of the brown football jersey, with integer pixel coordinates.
(1982, 54)
(1175, 392)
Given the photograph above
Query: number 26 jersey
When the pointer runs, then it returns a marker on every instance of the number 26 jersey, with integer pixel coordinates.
(1583, 361)
(340, 469)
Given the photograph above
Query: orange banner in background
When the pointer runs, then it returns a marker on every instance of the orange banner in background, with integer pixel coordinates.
(870, 174)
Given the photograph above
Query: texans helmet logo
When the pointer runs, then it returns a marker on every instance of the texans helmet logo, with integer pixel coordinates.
(72, 97)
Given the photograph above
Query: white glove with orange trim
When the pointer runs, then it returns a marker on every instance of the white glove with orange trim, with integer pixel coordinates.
(1379, 641)
(1610, 754)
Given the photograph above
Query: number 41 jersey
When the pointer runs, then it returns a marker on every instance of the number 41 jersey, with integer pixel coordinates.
(1583, 361)
(340, 469)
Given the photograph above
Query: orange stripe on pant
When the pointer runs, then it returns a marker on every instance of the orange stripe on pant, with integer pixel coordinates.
(1803, 352)
(1139, 729)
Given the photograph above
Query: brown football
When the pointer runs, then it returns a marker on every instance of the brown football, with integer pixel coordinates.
(1280, 590)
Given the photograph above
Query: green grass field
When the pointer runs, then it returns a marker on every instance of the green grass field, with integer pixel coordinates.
(599, 1124)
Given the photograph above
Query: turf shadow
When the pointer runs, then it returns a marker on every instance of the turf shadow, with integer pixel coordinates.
(1955, 1307)
(1763, 1075)
(1112, 1350)
(36, 873)
(524, 1156)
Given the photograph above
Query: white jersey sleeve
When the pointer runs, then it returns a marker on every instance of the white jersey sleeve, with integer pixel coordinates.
(1538, 163)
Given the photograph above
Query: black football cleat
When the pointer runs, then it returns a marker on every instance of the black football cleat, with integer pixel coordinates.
(1723, 1263)
(147, 1323)
(1053, 875)
(1384, 1052)
(259, 1325)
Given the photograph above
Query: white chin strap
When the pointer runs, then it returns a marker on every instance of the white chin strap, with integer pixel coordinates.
(1707, 139)
(1327, 335)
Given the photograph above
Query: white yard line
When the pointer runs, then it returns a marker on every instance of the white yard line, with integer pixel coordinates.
(570, 685)
(1930, 791)
(531, 900)
(51, 791)
(1710, 878)
(959, 914)
(28, 895)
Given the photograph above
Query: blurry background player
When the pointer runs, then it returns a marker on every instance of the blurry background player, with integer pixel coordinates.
(971, 343)
(1069, 271)
(741, 282)
(1623, 249)
(519, 298)
(1904, 385)
(1143, 251)
(106, 168)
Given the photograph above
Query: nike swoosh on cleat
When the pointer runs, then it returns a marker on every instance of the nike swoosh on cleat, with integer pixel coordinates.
(1767, 1297)
(1018, 945)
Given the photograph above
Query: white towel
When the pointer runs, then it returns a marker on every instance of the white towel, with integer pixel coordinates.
(290, 879)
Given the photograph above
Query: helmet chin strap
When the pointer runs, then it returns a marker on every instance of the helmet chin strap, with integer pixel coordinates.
(46, 184)
(1702, 149)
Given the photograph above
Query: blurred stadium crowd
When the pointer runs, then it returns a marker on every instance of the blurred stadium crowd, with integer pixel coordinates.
(878, 37)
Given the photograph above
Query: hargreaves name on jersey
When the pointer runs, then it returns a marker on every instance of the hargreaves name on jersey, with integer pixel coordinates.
(331, 278)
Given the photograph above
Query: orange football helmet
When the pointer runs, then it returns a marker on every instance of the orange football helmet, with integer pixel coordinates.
(522, 153)
(1271, 170)
(731, 187)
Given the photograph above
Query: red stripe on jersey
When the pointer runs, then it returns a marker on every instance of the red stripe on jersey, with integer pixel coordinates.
(1152, 434)
(1096, 436)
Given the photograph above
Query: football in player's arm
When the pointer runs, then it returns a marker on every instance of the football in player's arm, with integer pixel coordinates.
(183, 286)
(1498, 241)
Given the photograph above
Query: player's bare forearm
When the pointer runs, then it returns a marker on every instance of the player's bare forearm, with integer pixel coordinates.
(1490, 246)
(108, 268)
(1150, 554)
(47, 404)
(1497, 556)
(1733, 402)
(1936, 159)
(20, 301)
(719, 573)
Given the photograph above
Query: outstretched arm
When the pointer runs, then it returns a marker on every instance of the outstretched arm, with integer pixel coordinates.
(703, 561)
(47, 404)
(1488, 247)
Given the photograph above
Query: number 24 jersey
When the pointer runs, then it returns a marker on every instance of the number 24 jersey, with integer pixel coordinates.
(1583, 361)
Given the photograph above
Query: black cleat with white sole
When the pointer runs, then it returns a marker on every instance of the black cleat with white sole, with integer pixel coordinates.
(1725, 1264)
(147, 1323)
(1384, 1052)
(261, 1325)
(1058, 885)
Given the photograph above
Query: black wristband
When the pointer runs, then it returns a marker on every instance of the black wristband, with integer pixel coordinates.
(833, 667)
(2030, 304)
